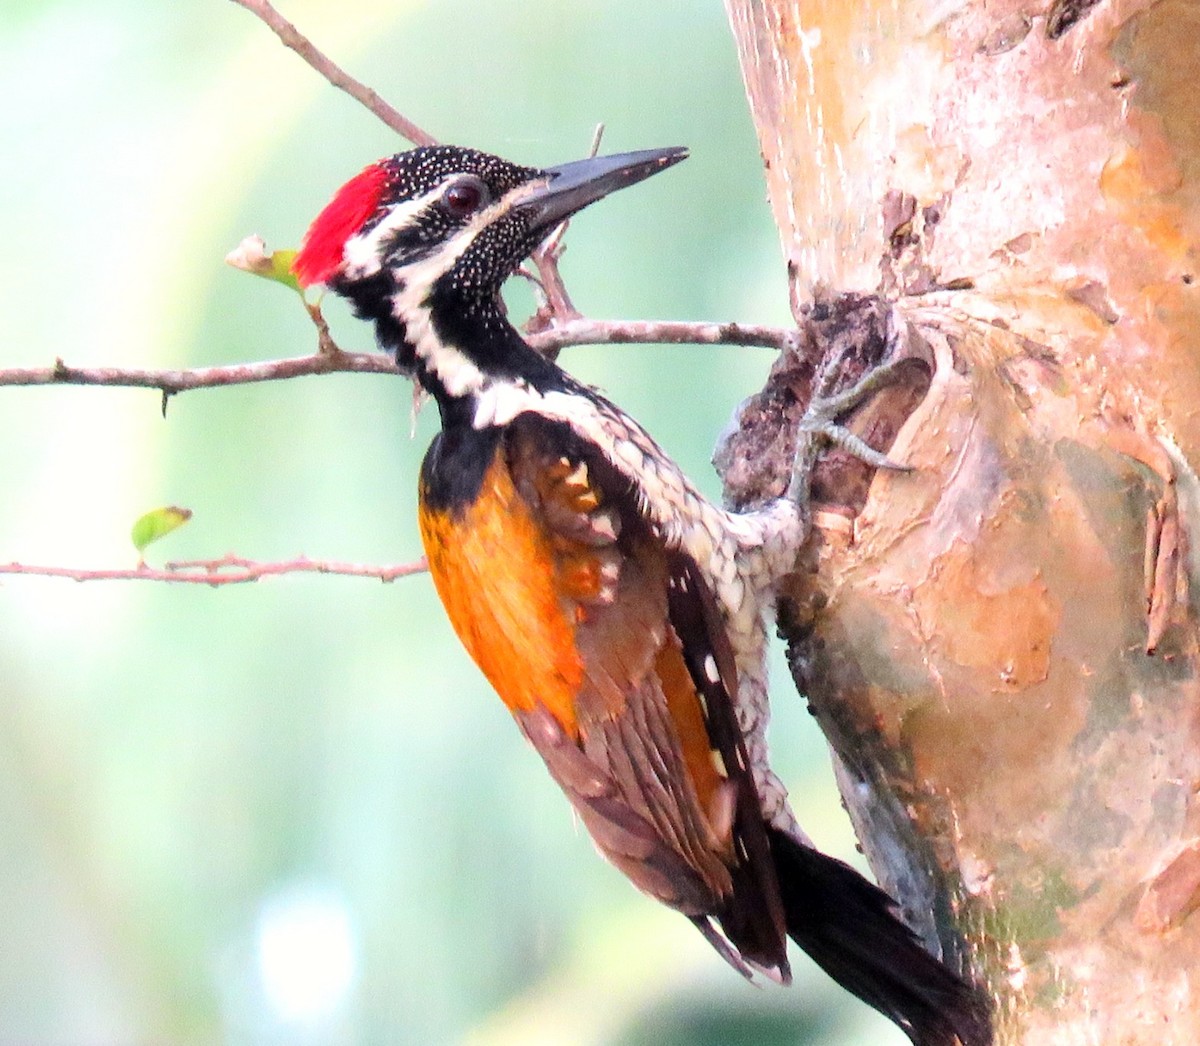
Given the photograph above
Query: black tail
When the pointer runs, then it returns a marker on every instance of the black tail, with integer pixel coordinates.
(849, 927)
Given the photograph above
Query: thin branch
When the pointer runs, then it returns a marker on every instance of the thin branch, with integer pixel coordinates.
(291, 37)
(228, 570)
(662, 332)
(555, 307)
(173, 381)
(576, 332)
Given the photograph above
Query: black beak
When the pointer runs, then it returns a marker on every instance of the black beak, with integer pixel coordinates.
(573, 186)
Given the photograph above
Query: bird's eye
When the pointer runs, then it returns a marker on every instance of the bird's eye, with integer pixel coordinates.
(464, 197)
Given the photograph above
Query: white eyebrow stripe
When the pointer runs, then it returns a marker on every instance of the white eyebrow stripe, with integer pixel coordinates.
(361, 254)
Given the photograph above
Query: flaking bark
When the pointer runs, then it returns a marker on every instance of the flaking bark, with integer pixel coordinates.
(1001, 644)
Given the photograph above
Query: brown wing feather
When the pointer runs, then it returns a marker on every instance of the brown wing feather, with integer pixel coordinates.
(755, 920)
(623, 638)
(609, 650)
(654, 724)
(623, 834)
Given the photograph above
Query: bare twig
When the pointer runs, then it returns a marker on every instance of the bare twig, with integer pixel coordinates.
(661, 332)
(291, 37)
(555, 307)
(575, 332)
(228, 570)
(597, 136)
(173, 381)
(326, 346)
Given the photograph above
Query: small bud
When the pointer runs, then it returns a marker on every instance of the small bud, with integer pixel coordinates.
(251, 256)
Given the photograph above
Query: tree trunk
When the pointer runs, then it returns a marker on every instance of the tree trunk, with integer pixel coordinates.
(1000, 643)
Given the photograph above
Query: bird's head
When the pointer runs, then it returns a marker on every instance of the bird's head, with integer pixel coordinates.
(434, 232)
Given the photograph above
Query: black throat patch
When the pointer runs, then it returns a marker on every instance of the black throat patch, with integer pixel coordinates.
(455, 464)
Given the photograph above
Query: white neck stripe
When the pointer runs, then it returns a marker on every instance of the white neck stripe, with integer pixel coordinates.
(448, 363)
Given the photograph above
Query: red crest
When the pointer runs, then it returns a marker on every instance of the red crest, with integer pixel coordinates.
(322, 251)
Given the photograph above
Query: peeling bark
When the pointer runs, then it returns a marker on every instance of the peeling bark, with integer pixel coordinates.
(1002, 645)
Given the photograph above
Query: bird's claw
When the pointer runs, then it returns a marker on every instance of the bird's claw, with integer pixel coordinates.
(820, 424)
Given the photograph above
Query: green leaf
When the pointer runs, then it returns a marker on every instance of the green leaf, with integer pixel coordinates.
(158, 524)
(281, 270)
(251, 256)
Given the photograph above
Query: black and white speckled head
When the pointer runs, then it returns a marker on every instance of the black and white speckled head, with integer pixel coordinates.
(398, 211)
(421, 242)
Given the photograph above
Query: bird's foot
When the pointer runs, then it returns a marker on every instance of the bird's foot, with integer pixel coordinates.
(820, 424)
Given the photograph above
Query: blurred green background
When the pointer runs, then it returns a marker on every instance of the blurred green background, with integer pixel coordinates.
(293, 812)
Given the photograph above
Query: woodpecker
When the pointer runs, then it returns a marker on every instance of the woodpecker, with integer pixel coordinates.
(617, 613)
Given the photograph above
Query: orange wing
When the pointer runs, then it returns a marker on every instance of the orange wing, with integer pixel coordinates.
(608, 649)
(497, 573)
